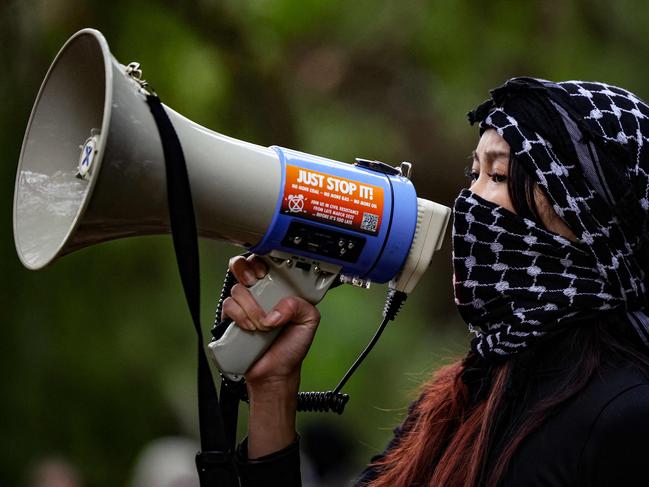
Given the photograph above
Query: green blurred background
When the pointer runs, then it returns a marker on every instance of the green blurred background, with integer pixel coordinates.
(97, 352)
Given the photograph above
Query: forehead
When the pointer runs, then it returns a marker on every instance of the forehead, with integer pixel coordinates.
(492, 142)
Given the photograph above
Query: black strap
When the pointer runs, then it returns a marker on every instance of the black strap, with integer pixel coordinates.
(215, 460)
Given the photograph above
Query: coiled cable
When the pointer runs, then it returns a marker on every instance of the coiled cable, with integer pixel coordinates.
(321, 402)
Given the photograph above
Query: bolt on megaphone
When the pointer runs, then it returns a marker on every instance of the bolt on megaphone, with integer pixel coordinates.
(92, 169)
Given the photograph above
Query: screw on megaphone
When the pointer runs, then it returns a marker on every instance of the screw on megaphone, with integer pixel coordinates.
(134, 71)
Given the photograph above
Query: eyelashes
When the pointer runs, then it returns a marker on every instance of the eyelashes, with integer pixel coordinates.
(474, 175)
(497, 178)
(470, 174)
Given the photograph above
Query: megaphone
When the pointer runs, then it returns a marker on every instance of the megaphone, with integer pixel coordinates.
(91, 169)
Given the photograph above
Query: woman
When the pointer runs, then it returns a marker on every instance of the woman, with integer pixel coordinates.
(550, 254)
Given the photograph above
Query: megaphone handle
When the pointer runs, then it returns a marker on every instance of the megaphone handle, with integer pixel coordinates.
(237, 349)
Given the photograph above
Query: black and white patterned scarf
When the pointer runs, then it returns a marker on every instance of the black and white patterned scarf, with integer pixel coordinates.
(515, 281)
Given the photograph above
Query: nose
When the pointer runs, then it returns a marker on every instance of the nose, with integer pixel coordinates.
(496, 192)
(478, 187)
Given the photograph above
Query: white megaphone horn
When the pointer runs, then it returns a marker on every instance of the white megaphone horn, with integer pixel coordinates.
(92, 169)
(60, 202)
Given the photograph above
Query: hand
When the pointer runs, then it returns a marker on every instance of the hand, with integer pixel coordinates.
(281, 363)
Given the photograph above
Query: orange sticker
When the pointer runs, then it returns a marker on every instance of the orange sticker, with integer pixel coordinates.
(330, 199)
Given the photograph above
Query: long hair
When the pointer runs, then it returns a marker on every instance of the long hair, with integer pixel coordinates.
(449, 438)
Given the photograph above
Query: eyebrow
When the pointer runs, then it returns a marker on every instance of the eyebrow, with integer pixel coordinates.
(491, 155)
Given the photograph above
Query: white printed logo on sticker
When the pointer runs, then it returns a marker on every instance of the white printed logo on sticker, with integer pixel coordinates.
(295, 203)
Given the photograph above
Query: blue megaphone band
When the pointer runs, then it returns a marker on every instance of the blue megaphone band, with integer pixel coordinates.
(358, 217)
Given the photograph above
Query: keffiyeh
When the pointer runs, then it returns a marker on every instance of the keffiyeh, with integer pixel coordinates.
(515, 281)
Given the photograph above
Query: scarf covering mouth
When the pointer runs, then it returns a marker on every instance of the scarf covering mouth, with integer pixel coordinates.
(587, 145)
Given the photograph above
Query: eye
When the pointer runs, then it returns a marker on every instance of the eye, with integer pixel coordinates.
(471, 174)
(497, 178)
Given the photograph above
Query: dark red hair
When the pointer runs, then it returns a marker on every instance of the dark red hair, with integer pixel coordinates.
(449, 439)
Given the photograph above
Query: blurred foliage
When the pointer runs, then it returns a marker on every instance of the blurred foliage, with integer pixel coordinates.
(97, 351)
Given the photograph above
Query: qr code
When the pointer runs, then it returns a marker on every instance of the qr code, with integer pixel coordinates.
(370, 222)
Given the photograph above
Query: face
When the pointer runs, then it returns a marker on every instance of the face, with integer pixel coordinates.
(489, 177)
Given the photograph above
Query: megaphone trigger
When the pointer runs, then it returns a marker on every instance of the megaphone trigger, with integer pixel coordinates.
(288, 275)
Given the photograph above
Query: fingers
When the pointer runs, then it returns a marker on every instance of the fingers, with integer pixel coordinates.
(244, 310)
(236, 313)
(291, 309)
(247, 270)
(241, 306)
(242, 270)
(243, 297)
(258, 265)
